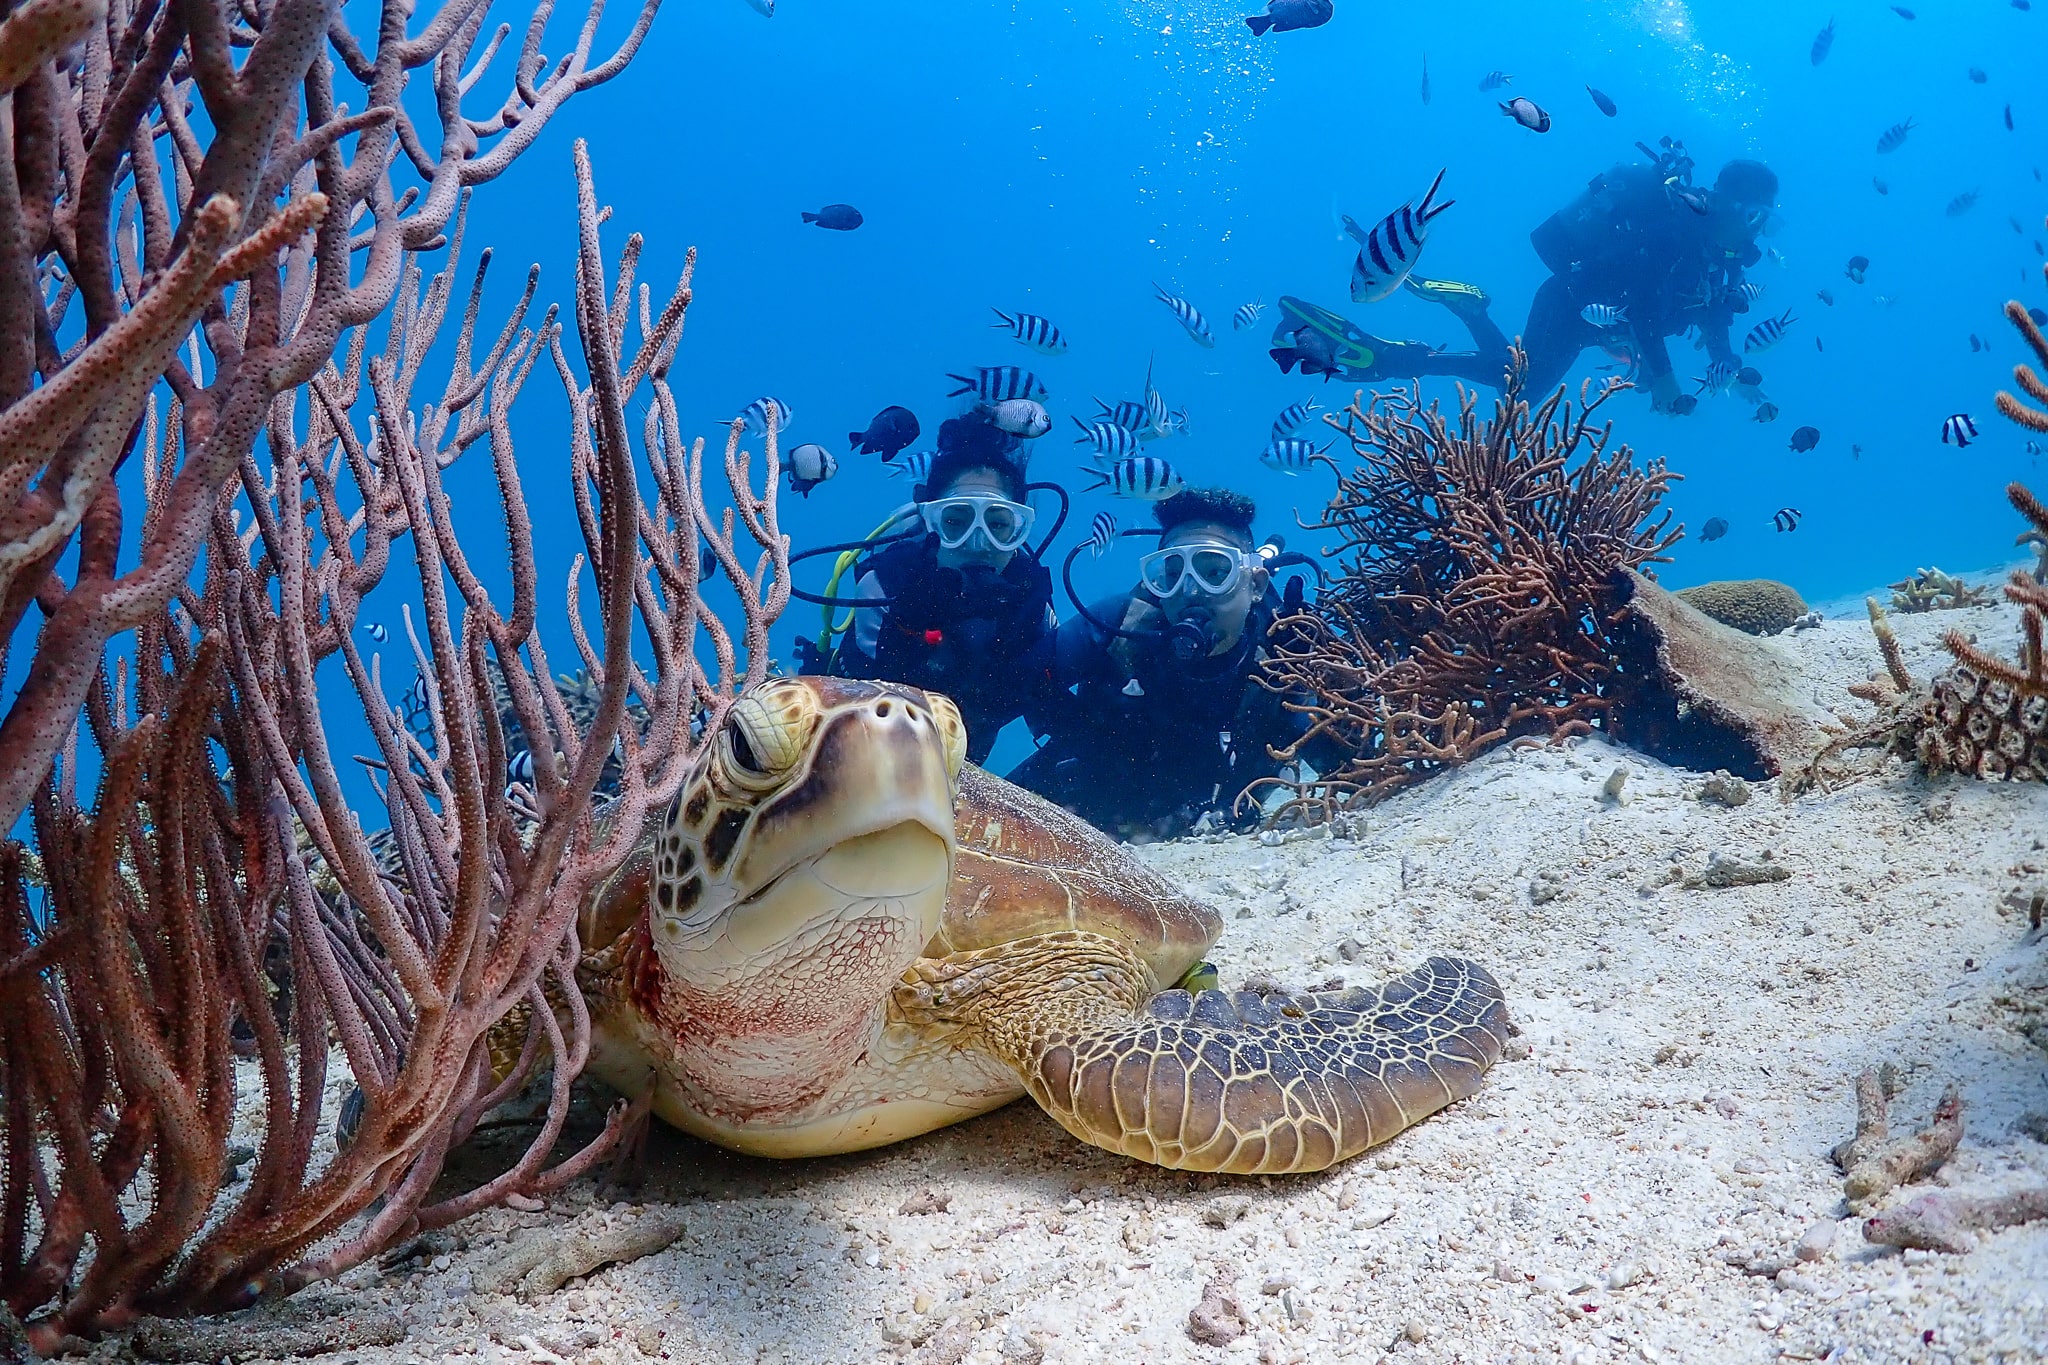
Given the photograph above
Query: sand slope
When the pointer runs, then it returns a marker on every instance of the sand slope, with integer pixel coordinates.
(1691, 1054)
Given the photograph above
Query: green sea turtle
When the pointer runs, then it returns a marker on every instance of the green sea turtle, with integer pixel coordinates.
(841, 935)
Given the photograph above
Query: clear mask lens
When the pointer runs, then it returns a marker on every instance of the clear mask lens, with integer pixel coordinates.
(1000, 523)
(1212, 569)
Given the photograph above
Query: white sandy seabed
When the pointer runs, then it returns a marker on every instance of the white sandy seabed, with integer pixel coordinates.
(1636, 1189)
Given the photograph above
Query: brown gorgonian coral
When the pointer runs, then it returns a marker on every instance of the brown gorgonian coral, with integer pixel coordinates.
(1478, 599)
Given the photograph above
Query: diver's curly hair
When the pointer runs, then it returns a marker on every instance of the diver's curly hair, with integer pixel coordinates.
(1224, 506)
(973, 441)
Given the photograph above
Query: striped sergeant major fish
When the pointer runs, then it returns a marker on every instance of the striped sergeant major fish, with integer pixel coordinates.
(1111, 441)
(1720, 374)
(1787, 518)
(1034, 331)
(1104, 534)
(1291, 455)
(1131, 416)
(376, 631)
(998, 384)
(1958, 431)
(1894, 137)
(917, 464)
(1187, 314)
(755, 415)
(1291, 418)
(1750, 290)
(1388, 252)
(1246, 315)
(1604, 314)
(1494, 80)
(1146, 477)
(1767, 333)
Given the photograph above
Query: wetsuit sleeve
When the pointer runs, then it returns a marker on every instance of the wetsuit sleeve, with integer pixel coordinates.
(1080, 651)
(863, 640)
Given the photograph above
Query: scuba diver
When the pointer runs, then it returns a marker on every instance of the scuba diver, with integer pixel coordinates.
(1168, 719)
(1641, 247)
(958, 603)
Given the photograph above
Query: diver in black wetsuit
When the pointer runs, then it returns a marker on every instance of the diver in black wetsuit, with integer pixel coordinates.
(1168, 720)
(964, 608)
(1641, 240)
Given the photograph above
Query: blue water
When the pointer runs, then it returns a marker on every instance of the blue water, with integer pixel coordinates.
(1060, 158)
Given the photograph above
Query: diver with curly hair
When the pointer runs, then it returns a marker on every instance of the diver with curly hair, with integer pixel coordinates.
(1167, 719)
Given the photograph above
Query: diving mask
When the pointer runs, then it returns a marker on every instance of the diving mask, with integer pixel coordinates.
(1204, 566)
(1001, 524)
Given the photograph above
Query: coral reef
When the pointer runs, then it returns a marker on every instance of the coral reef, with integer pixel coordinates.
(1933, 590)
(140, 935)
(1477, 600)
(1755, 606)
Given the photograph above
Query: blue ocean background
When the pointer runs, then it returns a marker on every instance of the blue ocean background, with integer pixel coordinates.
(1060, 158)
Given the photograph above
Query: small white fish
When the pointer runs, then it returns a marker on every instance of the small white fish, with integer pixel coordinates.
(1105, 529)
(1292, 455)
(1146, 477)
(1021, 417)
(810, 464)
(1787, 518)
(756, 415)
(1388, 252)
(1958, 431)
(917, 465)
(1034, 331)
(1187, 315)
(1111, 441)
(1291, 418)
(1604, 314)
(377, 632)
(1247, 315)
(1767, 333)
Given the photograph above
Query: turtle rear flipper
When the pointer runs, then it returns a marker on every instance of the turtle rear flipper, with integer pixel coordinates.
(1217, 1081)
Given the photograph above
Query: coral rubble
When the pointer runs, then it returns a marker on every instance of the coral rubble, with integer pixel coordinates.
(1933, 590)
(1755, 606)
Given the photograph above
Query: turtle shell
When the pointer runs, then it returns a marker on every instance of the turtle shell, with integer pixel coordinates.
(1028, 867)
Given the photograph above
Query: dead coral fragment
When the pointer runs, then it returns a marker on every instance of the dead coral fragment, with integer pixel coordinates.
(1755, 606)
(542, 1260)
(1217, 1320)
(1723, 872)
(1933, 590)
(1873, 1162)
(1477, 598)
(355, 1328)
(1944, 1222)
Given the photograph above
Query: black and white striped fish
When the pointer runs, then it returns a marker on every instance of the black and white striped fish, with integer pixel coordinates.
(1034, 331)
(1959, 430)
(1894, 137)
(1105, 528)
(917, 464)
(755, 415)
(1126, 414)
(1604, 314)
(1291, 418)
(376, 631)
(998, 384)
(1187, 315)
(1720, 374)
(1750, 290)
(1963, 203)
(1388, 252)
(1111, 441)
(520, 767)
(1146, 477)
(1787, 518)
(1767, 333)
(1247, 315)
(1290, 455)
(1494, 80)
(416, 702)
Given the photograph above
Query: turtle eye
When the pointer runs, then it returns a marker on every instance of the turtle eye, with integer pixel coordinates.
(952, 730)
(761, 740)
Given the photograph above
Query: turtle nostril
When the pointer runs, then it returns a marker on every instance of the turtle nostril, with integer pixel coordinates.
(882, 709)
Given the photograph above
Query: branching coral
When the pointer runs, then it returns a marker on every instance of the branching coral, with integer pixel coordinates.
(133, 951)
(1933, 590)
(1478, 599)
(191, 178)
(2030, 383)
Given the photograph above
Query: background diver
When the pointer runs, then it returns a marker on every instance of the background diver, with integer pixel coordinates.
(1640, 245)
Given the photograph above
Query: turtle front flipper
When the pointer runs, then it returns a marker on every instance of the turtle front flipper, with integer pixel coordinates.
(1216, 1080)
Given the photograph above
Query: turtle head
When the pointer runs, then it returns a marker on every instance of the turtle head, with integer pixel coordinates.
(800, 870)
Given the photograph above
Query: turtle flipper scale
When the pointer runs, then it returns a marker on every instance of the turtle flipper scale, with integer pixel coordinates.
(1220, 1081)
